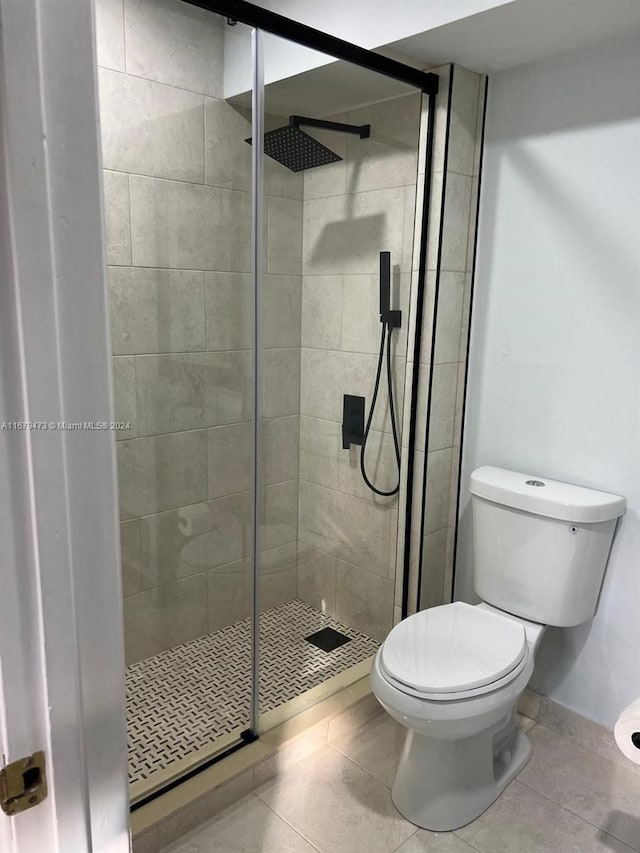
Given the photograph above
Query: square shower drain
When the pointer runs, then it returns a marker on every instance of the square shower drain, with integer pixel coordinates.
(328, 639)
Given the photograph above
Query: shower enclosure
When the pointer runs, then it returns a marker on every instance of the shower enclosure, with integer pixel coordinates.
(264, 206)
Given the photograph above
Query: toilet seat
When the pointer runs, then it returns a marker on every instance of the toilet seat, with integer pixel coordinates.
(454, 651)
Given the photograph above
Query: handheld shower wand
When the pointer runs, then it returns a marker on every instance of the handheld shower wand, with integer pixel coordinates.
(390, 320)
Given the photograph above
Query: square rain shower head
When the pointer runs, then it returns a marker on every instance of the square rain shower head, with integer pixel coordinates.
(295, 149)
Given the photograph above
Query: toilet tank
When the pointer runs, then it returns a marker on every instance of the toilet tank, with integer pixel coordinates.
(541, 546)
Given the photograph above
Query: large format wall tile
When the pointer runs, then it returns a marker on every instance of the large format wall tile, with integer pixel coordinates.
(320, 449)
(389, 157)
(124, 394)
(110, 33)
(156, 311)
(345, 234)
(433, 228)
(151, 129)
(332, 178)
(326, 375)
(281, 306)
(351, 529)
(230, 467)
(175, 43)
(187, 226)
(132, 580)
(228, 156)
(117, 218)
(464, 113)
(322, 311)
(317, 579)
(230, 594)
(193, 539)
(159, 472)
(434, 560)
(278, 179)
(364, 600)
(231, 586)
(450, 300)
(229, 310)
(456, 222)
(278, 575)
(439, 482)
(281, 382)
(192, 391)
(443, 407)
(164, 617)
(380, 466)
(279, 515)
(280, 449)
(284, 235)
(361, 327)
(178, 206)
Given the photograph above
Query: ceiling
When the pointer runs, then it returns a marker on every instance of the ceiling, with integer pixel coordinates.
(522, 32)
(515, 33)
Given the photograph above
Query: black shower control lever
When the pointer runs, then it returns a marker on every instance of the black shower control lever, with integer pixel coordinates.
(393, 319)
(352, 420)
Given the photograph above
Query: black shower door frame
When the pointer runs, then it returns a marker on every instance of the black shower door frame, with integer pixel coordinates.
(263, 20)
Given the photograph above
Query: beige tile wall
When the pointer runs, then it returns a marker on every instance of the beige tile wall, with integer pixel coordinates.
(178, 209)
(446, 315)
(353, 209)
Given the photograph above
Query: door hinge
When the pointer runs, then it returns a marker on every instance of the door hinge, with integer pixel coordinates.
(23, 784)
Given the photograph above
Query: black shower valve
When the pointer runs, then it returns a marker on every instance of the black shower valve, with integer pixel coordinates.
(393, 319)
(352, 420)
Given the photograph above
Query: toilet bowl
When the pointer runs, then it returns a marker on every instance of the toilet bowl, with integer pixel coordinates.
(458, 703)
(452, 675)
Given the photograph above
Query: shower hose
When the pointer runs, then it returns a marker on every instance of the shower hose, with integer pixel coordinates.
(385, 339)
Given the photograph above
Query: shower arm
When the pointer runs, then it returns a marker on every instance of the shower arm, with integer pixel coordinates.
(363, 130)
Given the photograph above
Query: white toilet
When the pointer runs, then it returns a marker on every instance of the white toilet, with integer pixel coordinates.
(453, 674)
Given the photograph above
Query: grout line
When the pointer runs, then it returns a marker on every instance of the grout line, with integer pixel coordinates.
(197, 352)
(577, 743)
(468, 843)
(575, 814)
(152, 79)
(124, 37)
(284, 820)
(204, 141)
(188, 183)
(130, 220)
(358, 764)
(204, 500)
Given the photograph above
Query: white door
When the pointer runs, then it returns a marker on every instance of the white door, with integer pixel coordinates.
(61, 655)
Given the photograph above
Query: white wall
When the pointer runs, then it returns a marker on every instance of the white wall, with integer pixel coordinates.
(366, 23)
(555, 356)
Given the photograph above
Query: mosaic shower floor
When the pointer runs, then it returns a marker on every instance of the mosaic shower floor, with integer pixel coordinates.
(182, 699)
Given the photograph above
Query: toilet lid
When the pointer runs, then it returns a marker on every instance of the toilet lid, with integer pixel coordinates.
(453, 648)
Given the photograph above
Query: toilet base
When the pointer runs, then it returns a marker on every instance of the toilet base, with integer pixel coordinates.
(442, 785)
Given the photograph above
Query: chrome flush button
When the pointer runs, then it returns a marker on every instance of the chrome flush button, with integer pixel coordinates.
(535, 483)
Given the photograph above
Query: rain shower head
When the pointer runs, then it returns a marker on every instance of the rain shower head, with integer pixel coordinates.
(298, 151)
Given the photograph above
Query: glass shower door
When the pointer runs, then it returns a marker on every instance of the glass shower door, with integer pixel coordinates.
(340, 173)
(179, 208)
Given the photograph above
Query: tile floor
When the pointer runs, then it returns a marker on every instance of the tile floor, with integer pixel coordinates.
(184, 698)
(577, 795)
